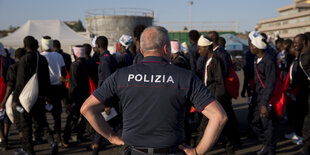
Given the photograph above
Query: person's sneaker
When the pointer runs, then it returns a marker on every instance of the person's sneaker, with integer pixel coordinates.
(263, 150)
(95, 151)
(54, 148)
(291, 136)
(3, 146)
(298, 141)
(20, 151)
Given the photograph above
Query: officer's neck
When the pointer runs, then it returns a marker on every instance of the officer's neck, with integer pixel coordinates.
(155, 54)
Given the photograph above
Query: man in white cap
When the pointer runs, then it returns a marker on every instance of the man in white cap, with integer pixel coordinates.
(248, 68)
(178, 58)
(125, 58)
(213, 78)
(57, 71)
(260, 110)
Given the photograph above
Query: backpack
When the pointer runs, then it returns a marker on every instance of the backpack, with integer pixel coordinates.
(232, 83)
(2, 83)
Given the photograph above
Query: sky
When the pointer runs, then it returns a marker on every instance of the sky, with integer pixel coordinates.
(246, 12)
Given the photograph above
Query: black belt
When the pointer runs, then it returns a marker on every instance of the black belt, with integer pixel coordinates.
(157, 150)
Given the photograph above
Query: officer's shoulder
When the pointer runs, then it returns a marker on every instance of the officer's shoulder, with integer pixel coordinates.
(181, 71)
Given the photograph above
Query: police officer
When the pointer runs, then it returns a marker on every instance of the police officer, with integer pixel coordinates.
(261, 112)
(153, 94)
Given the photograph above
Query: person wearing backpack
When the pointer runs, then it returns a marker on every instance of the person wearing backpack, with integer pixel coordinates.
(213, 78)
(5, 123)
(79, 90)
(261, 112)
(231, 87)
(27, 67)
(300, 44)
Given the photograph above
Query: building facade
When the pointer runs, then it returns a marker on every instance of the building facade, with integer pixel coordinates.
(293, 19)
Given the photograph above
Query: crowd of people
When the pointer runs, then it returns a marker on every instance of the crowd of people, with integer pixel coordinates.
(141, 80)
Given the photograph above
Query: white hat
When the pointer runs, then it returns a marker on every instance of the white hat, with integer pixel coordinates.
(175, 46)
(184, 47)
(125, 40)
(46, 44)
(204, 41)
(254, 34)
(259, 43)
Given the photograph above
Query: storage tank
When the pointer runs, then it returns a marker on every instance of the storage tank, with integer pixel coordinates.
(113, 23)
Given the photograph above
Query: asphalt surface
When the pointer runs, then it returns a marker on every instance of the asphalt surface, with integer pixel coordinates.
(250, 145)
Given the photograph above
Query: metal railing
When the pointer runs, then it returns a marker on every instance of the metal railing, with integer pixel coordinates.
(120, 12)
(201, 26)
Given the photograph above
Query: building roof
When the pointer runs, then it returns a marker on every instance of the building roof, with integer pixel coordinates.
(297, 4)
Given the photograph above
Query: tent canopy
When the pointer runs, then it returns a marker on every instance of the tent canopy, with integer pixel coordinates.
(56, 29)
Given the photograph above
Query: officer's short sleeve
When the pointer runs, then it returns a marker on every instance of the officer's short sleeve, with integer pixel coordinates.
(199, 94)
(107, 91)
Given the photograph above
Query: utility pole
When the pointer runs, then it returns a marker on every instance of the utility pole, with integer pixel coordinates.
(190, 12)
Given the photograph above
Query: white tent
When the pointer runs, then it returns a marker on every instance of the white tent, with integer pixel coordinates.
(56, 29)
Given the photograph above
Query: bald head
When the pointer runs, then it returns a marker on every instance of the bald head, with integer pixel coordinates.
(154, 39)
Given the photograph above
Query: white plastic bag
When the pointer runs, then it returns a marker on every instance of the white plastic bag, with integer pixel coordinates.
(9, 109)
(30, 93)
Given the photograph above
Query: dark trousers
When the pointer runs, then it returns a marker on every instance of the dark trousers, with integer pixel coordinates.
(229, 136)
(295, 114)
(17, 117)
(38, 114)
(263, 127)
(56, 96)
(73, 124)
(306, 129)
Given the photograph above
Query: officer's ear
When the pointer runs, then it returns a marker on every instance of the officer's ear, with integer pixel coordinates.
(142, 52)
(167, 50)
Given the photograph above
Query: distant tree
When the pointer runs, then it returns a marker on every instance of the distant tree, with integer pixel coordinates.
(12, 28)
(76, 25)
(185, 28)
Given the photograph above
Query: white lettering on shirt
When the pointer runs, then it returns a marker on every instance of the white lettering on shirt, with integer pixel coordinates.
(138, 77)
(151, 78)
(130, 76)
(144, 79)
(170, 79)
(158, 78)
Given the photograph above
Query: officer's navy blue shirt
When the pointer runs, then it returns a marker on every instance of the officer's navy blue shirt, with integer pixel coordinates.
(153, 95)
(266, 69)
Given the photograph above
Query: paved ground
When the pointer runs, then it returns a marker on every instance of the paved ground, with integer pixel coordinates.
(249, 145)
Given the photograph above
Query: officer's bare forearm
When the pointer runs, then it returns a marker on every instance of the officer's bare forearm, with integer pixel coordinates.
(91, 110)
(217, 119)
